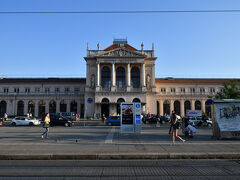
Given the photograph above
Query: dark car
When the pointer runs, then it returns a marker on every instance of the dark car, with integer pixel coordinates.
(57, 120)
(152, 120)
(113, 120)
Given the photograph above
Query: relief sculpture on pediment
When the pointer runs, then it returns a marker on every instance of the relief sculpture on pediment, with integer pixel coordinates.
(120, 53)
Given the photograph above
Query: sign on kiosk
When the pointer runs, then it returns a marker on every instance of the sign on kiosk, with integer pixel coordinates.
(130, 117)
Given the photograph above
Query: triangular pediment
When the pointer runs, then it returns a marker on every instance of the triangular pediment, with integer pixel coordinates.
(121, 52)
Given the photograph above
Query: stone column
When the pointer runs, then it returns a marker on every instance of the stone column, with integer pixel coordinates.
(192, 104)
(68, 105)
(9, 107)
(182, 107)
(47, 107)
(58, 106)
(36, 108)
(203, 106)
(161, 107)
(128, 77)
(98, 74)
(78, 107)
(25, 107)
(143, 75)
(153, 75)
(113, 77)
(171, 106)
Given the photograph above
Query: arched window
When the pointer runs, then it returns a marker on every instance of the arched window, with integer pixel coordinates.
(52, 106)
(177, 107)
(41, 106)
(3, 108)
(31, 107)
(120, 77)
(92, 81)
(166, 107)
(119, 101)
(135, 77)
(187, 106)
(208, 107)
(73, 107)
(106, 78)
(136, 100)
(20, 108)
(198, 105)
(63, 106)
(105, 100)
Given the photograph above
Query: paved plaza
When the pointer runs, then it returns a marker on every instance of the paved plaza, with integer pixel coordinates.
(120, 169)
(106, 142)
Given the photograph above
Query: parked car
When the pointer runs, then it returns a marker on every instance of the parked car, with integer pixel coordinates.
(24, 121)
(197, 121)
(152, 120)
(164, 119)
(57, 120)
(113, 120)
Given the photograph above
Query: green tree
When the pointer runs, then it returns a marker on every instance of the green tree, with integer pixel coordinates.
(230, 91)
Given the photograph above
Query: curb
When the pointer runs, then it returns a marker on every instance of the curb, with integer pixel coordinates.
(121, 156)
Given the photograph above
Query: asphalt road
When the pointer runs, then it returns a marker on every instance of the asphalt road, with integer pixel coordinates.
(77, 169)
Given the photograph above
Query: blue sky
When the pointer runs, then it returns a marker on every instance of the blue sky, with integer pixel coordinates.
(190, 45)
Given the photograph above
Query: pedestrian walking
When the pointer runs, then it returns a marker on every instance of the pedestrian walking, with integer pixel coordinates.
(5, 116)
(46, 125)
(175, 127)
(171, 120)
(104, 118)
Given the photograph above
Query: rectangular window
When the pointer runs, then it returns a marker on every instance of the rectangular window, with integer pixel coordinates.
(163, 90)
(27, 90)
(192, 90)
(173, 90)
(76, 90)
(5, 90)
(37, 90)
(212, 90)
(57, 90)
(222, 90)
(67, 90)
(202, 90)
(16, 90)
(182, 90)
(47, 90)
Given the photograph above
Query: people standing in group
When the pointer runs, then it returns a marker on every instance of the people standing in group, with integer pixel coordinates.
(174, 129)
(46, 125)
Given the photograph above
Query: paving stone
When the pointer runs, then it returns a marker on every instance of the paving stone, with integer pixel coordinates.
(150, 171)
(211, 171)
(181, 171)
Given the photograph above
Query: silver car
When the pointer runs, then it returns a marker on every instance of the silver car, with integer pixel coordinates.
(24, 121)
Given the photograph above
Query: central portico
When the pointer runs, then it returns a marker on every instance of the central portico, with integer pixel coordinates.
(119, 73)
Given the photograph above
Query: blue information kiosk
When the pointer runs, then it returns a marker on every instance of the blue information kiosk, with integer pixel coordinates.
(130, 118)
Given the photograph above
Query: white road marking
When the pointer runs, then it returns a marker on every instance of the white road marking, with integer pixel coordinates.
(110, 135)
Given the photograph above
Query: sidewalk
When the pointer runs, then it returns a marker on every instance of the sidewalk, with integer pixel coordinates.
(107, 143)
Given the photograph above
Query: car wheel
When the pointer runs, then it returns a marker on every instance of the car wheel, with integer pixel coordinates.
(13, 124)
(147, 122)
(109, 124)
(209, 125)
(66, 124)
(30, 124)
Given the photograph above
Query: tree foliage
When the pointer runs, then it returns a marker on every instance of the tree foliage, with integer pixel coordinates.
(230, 91)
